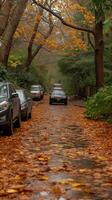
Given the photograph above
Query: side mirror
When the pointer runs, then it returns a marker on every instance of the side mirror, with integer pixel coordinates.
(29, 99)
(14, 94)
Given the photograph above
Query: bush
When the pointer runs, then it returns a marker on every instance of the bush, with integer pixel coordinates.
(19, 79)
(100, 105)
(4, 76)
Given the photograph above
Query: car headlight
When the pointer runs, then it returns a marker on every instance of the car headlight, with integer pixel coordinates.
(4, 106)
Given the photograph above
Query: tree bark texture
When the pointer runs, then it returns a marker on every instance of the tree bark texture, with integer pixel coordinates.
(99, 54)
(10, 30)
(4, 14)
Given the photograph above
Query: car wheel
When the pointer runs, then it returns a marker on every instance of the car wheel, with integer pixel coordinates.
(26, 116)
(66, 103)
(30, 115)
(18, 121)
(50, 102)
(9, 129)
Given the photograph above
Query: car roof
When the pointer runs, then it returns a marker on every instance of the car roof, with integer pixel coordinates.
(57, 84)
(4, 82)
(35, 85)
(20, 90)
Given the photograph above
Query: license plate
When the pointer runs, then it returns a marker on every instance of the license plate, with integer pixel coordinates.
(58, 99)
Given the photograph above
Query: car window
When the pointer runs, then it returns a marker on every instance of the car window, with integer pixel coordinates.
(3, 90)
(58, 92)
(35, 88)
(21, 95)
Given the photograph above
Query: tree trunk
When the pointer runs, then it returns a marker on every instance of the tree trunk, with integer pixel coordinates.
(10, 30)
(29, 59)
(32, 54)
(4, 15)
(26, 64)
(99, 54)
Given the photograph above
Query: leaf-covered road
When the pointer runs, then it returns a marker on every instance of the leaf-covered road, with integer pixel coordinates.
(58, 155)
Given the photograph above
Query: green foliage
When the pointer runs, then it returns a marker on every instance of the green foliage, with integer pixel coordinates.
(79, 68)
(15, 60)
(15, 74)
(3, 73)
(100, 105)
(102, 4)
(107, 25)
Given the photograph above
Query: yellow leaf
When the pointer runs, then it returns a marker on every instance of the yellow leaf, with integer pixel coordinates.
(17, 177)
(76, 185)
(11, 191)
(43, 178)
(66, 181)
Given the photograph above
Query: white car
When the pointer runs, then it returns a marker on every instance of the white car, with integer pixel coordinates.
(37, 92)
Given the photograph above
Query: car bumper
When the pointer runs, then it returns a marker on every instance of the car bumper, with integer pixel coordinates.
(4, 118)
(36, 96)
(58, 100)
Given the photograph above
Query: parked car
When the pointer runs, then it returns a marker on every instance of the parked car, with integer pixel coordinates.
(37, 92)
(26, 104)
(10, 108)
(58, 96)
(57, 85)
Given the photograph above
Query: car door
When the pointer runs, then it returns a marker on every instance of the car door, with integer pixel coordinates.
(15, 101)
(29, 102)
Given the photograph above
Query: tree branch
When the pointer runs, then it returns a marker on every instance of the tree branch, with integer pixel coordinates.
(62, 20)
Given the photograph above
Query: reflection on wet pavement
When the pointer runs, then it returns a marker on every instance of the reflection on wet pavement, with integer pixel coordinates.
(56, 162)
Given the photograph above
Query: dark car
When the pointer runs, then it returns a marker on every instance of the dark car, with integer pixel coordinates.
(10, 108)
(26, 104)
(58, 96)
(37, 92)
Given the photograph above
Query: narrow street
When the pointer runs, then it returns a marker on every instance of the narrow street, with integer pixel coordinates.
(57, 155)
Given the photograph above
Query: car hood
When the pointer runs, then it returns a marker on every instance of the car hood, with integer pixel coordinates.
(2, 98)
(33, 92)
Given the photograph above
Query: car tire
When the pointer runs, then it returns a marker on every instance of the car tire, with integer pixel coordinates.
(30, 115)
(66, 103)
(26, 116)
(50, 102)
(9, 129)
(18, 121)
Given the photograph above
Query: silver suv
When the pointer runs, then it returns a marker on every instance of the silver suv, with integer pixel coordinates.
(10, 108)
(37, 92)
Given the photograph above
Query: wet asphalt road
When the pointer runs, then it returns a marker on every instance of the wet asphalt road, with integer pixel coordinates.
(52, 158)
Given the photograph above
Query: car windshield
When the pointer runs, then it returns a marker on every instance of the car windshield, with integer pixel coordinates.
(35, 88)
(58, 92)
(3, 91)
(21, 95)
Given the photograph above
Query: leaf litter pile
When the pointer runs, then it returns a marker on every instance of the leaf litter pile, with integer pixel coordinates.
(58, 155)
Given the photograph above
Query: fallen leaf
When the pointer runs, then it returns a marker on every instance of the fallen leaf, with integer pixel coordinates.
(43, 178)
(57, 190)
(11, 191)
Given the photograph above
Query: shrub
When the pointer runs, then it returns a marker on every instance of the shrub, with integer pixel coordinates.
(100, 105)
(14, 75)
(3, 73)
